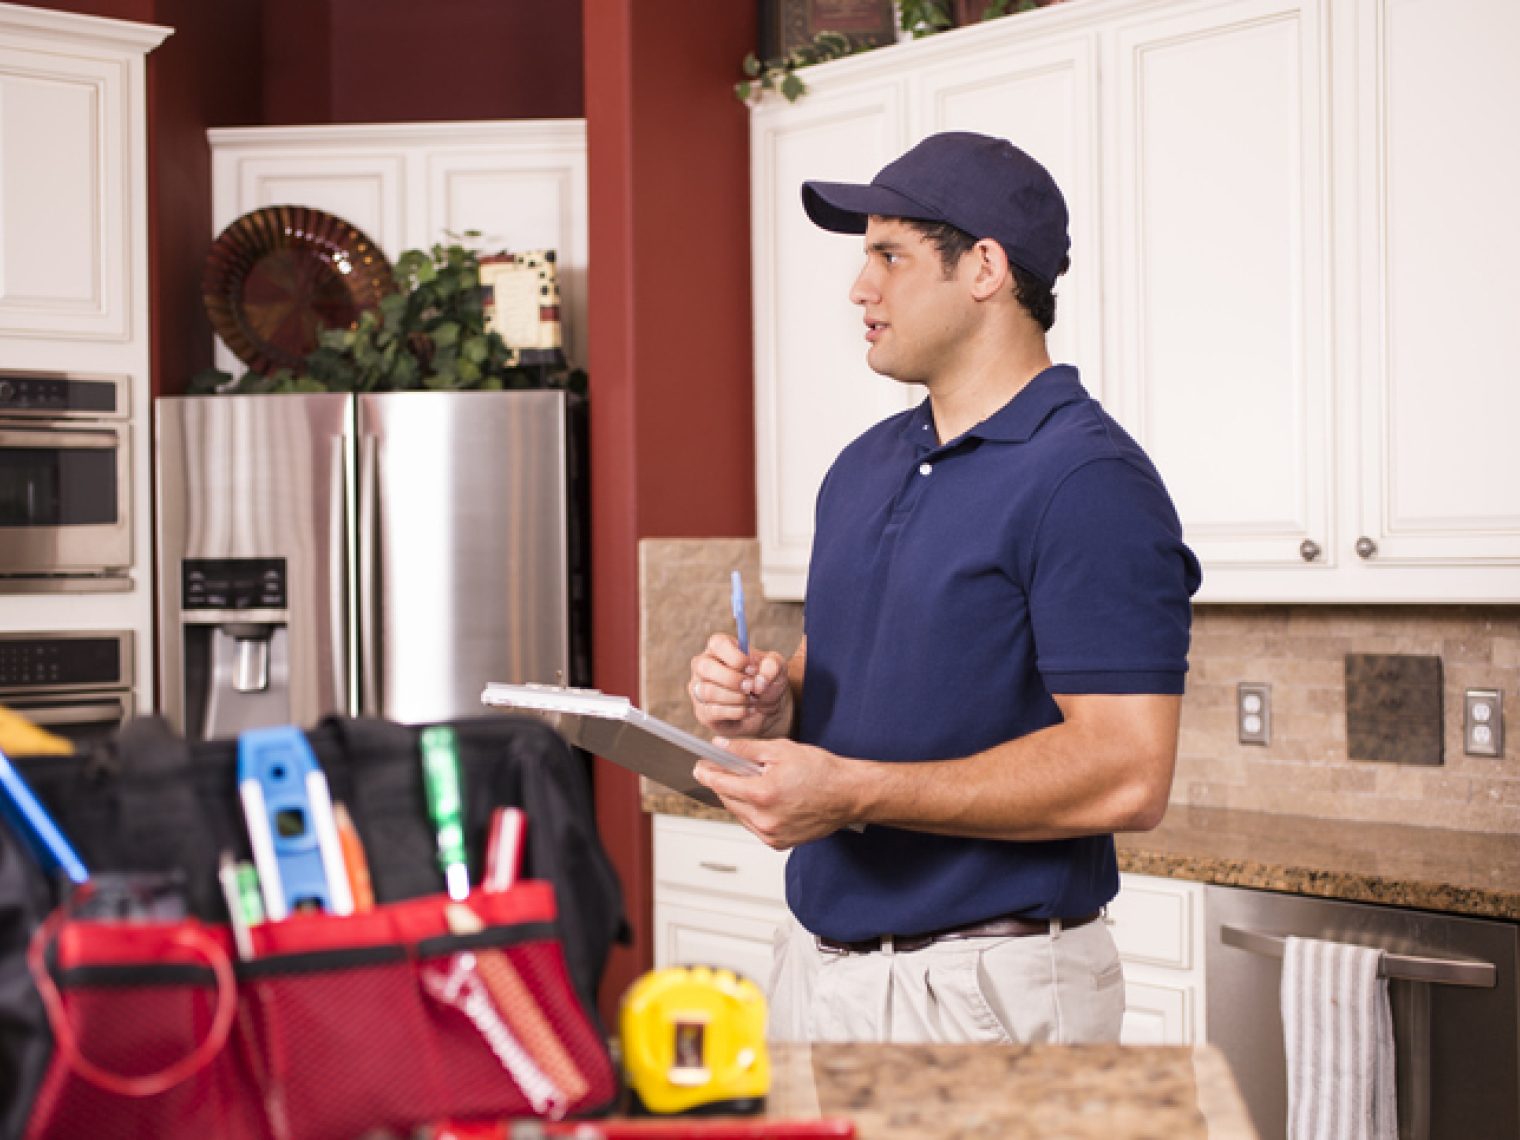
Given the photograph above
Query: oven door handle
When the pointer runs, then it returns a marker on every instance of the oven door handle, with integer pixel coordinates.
(62, 437)
(56, 713)
(1396, 967)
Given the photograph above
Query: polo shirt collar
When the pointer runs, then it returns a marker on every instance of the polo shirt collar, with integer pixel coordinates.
(1017, 420)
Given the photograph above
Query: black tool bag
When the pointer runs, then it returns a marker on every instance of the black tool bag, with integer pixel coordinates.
(150, 802)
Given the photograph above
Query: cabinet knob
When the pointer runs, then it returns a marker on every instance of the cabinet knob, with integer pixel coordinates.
(1309, 550)
(719, 868)
(1365, 547)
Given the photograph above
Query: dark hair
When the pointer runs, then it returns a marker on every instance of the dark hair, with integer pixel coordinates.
(952, 242)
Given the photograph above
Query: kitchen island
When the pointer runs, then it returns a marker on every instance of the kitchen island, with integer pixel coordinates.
(1009, 1092)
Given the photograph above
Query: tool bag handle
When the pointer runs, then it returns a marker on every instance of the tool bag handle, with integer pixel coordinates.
(186, 937)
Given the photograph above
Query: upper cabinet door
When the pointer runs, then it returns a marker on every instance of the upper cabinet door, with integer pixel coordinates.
(813, 390)
(1041, 93)
(67, 197)
(1436, 137)
(1218, 277)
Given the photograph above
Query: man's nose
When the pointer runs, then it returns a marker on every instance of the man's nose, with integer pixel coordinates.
(864, 290)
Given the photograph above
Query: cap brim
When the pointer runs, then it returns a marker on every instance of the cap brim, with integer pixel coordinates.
(845, 207)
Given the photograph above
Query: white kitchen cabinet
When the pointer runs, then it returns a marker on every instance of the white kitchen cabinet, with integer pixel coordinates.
(74, 260)
(1333, 420)
(1218, 269)
(1158, 926)
(73, 214)
(719, 896)
(520, 184)
(1291, 272)
(1432, 116)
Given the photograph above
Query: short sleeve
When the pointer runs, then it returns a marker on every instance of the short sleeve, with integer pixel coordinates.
(1110, 583)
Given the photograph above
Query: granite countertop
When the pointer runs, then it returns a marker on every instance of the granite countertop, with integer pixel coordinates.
(1113, 1092)
(1425, 868)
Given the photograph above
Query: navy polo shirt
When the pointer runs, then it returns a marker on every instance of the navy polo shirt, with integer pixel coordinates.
(953, 588)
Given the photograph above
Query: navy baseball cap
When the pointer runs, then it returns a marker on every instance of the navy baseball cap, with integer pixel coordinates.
(983, 185)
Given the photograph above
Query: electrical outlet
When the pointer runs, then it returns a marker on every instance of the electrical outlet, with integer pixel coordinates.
(1253, 711)
(1483, 722)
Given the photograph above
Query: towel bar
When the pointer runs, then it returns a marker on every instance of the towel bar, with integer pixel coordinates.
(1395, 967)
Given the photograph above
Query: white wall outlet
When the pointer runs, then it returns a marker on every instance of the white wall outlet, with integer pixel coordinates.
(1253, 712)
(1483, 722)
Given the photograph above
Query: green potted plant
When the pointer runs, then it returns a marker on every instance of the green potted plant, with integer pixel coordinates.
(781, 74)
(430, 333)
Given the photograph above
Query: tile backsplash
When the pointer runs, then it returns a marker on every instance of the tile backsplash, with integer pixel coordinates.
(1299, 651)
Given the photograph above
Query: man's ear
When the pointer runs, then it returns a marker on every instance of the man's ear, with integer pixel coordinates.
(991, 273)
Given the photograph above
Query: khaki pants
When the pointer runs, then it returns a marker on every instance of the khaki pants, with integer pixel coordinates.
(1065, 988)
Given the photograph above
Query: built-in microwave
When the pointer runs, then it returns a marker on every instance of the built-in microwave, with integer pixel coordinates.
(65, 482)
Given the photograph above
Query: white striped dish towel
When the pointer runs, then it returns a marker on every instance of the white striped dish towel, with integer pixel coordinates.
(1338, 1034)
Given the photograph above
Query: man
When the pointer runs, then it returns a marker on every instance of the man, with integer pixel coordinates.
(996, 631)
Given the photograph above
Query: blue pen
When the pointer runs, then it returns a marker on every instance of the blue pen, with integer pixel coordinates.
(738, 606)
(37, 828)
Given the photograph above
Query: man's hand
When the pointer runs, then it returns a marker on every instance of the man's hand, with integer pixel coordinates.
(804, 793)
(739, 694)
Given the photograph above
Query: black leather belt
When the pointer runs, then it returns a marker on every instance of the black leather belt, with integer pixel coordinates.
(993, 928)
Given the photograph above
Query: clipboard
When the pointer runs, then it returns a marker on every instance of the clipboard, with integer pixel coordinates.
(616, 728)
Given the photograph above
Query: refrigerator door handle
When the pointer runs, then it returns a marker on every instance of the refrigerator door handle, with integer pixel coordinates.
(337, 572)
(1396, 967)
(369, 587)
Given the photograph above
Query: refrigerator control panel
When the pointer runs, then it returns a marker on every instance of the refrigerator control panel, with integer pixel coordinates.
(232, 584)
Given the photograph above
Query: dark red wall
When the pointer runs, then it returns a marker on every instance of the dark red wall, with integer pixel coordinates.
(139, 10)
(206, 74)
(671, 393)
(385, 61)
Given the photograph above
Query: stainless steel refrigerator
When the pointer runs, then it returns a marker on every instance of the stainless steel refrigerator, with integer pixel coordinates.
(384, 554)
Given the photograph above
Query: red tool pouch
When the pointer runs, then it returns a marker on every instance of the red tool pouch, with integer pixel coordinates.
(389, 1018)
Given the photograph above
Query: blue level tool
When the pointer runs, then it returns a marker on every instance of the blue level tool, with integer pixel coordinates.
(291, 827)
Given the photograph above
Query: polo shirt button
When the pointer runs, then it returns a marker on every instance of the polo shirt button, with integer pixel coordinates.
(925, 468)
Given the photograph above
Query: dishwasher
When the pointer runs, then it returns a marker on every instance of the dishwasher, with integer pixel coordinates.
(1452, 988)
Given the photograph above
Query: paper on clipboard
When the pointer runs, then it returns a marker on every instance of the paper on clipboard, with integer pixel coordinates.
(614, 727)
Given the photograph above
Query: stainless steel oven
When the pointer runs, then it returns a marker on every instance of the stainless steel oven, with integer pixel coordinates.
(76, 684)
(65, 483)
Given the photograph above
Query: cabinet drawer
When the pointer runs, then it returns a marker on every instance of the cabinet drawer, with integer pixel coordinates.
(1153, 921)
(687, 935)
(721, 858)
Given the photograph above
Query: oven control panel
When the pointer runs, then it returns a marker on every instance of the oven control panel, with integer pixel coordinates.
(34, 661)
(60, 395)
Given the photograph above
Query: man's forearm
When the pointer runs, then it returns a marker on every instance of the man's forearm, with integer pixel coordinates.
(1107, 767)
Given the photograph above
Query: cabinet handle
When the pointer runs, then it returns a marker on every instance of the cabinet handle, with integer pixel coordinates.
(1365, 547)
(721, 868)
(1308, 550)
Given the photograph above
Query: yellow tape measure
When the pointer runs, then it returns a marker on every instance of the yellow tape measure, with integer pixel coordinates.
(693, 1039)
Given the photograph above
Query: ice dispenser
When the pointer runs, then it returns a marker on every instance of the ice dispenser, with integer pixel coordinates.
(236, 669)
